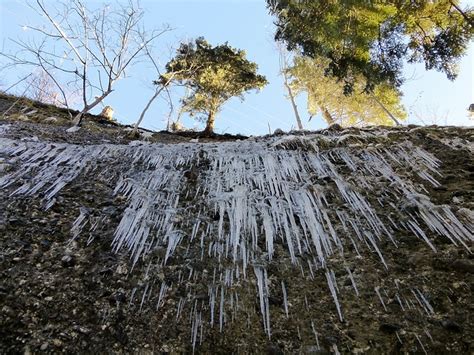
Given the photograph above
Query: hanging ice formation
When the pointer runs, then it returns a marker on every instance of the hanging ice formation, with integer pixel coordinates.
(228, 215)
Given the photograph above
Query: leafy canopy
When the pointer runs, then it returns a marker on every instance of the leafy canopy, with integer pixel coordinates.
(213, 75)
(324, 95)
(374, 38)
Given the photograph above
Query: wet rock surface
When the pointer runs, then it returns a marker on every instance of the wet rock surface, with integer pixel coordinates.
(66, 289)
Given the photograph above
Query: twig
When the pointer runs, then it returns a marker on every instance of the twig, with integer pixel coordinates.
(17, 100)
(19, 81)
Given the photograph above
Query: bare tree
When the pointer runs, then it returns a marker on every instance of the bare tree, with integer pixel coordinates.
(284, 66)
(43, 89)
(159, 87)
(19, 97)
(90, 49)
(176, 124)
(162, 85)
(26, 77)
(432, 114)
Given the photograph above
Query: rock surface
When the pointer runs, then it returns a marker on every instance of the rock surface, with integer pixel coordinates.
(74, 279)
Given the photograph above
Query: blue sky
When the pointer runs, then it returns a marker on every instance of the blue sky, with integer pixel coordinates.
(246, 24)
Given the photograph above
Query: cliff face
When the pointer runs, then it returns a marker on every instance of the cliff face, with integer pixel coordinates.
(355, 240)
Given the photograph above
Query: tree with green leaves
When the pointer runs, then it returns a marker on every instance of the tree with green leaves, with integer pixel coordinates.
(213, 74)
(372, 39)
(382, 106)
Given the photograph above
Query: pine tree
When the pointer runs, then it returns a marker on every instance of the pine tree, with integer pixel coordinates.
(374, 38)
(214, 75)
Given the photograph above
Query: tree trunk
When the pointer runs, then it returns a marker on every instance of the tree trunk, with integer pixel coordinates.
(78, 119)
(327, 116)
(284, 72)
(210, 123)
(293, 103)
(180, 113)
(386, 110)
(142, 115)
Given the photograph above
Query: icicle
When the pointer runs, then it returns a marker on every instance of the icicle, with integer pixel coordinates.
(398, 337)
(131, 297)
(419, 341)
(423, 301)
(212, 303)
(162, 294)
(428, 335)
(252, 202)
(261, 275)
(315, 335)
(79, 223)
(332, 289)
(400, 302)
(285, 298)
(351, 277)
(221, 310)
(196, 323)
(377, 291)
(180, 307)
(143, 297)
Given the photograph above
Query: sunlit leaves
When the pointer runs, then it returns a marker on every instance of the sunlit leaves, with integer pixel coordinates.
(359, 108)
(375, 38)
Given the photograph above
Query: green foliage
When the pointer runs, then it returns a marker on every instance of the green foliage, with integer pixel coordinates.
(213, 75)
(374, 38)
(359, 108)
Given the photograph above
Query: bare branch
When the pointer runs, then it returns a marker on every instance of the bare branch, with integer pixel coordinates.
(58, 28)
(19, 81)
(16, 101)
(89, 49)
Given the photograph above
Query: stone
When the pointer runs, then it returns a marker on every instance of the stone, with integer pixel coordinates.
(389, 328)
(4, 167)
(120, 297)
(51, 119)
(314, 349)
(274, 349)
(67, 261)
(451, 325)
(417, 259)
(22, 118)
(463, 265)
(73, 129)
(147, 135)
(108, 113)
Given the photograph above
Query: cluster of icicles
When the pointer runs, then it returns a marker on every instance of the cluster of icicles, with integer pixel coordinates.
(230, 205)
